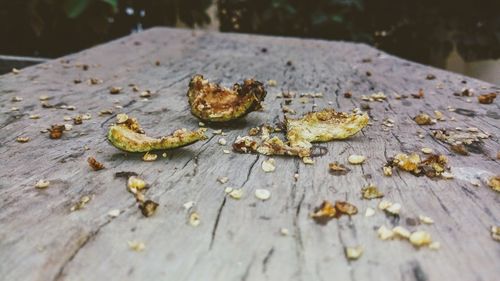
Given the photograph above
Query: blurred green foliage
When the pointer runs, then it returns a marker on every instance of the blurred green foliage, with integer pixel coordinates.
(420, 30)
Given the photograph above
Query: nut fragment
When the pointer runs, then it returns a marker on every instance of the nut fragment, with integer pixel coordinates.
(423, 119)
(494, 183)
(212, 102)
(425, 219)
(420, 238)
(115, 90)
(268, 165)
(385, 233)
(324, 213)
(401, 232)
(371, 192)
(262, 194)
(94, 164)
(42, 184)
(487, 98)
(356, 159)
(194, 219)
(495, 232)
(149, 157)
(136, 246)
(347, 208)
(338, 169)
(56, 131)
(81, 203)
(23, 139)
(148, 208)
(353, 253)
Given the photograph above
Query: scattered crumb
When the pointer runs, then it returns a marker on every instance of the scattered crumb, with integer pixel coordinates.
(114, 213)
(427, 150)
(194, 219)
(401, 232)
(284, 231)
(94, 164)
(23, 139)
(272, 83)
(148, 207)
(494, 183)
(135, 184)
(423, 119)
(387, 171)
(356, 159)
(222, 141)
(385, 233)
(435, 246)
(425, 219)
(371, 192)
(81, 203)
(115, 90)
(149, 157)
(324, 213)
(262, 194)
(353, 253)
(268, 165)
(308, 160)
(42, 184)
(223, 180)
(347, 208)
(495, 233)
(420, 238)
(338, 169)
(188, 205)
(136, 246)
(369, 212)
(56, 131)
(235, 193)
(486, 98)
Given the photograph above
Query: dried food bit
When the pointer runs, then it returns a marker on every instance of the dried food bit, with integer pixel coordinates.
(389, 207)
(235, 193)
(447, 175)
(115, 90)
(194, 219)
(223, 180)
(494, 183)
(81, 203)
(353, 253)
(77, 120)
(420, 238)
(105, 112)
(34, 116)
(419, 95)
(347, 95)
(308, 160)
(486, 98)
(346, 208)
(401, 232)
(136, 246)
(387, 171)
(425, 219)
(214, 103)
(94, 164)
(23, 139)
(114, 213)
(262, 194)
(272, 83)
(338, 169)
(324, 213)
(148, 207)
(15, 71)
(356, 159)
(435, 165)
(322, 126)
(371, 192)
(56, 131)
(268, 165)
(222, 141)
(284, 231)
(128, 135)
(427, 150)
(435, 246)
(495, 233)
(272, 146)
(42, 184)
(430, 77)
(385, 233)
(135, 184)
(369, 212)
(16, 99)
(423, 119)
(459, 148)
(149, 157)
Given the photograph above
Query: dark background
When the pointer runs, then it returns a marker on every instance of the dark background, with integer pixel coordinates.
(421, 30)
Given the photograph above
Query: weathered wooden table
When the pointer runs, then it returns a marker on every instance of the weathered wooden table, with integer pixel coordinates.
(41, 239)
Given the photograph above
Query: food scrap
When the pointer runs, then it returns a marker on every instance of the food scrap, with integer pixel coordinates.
(128, 135)
(262, 194)
(148, 207)
(494, 183)
(353, 253)
(81, 203)
(149, 157)
(495, 233)
(194, 219)
(423, 119)
(486, 98)
(324, 213)
(56, 131)
(323, 126)
(371, 192)
(42, 184)
(23, 139)
(268, 165)
(460, 141)
(214, 103)
(433, 166)
(338, 169)
(94, 164)
(136, 246)
(356, 159)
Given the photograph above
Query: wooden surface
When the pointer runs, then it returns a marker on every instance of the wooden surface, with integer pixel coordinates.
(40, 239)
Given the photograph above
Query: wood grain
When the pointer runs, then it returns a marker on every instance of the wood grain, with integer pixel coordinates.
(40, 239)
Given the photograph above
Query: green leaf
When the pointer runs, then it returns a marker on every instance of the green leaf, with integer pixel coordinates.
(74, 8)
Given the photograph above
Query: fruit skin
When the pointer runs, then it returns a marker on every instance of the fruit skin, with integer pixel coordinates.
(214, 103)
(322, 126)
(130, 137)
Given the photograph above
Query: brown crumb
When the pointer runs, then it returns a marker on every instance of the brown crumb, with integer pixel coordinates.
(459, 149)
(94, 164)
(338, 169)
(23, 139)
(423, 119)
(347, 95)
(347, 208)
(77, 120)
(430, 77)
(324, 213)
(486, 98)
(56, 131)
(419, 95)
(148, 208)
(371, 192)
(115, 90)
